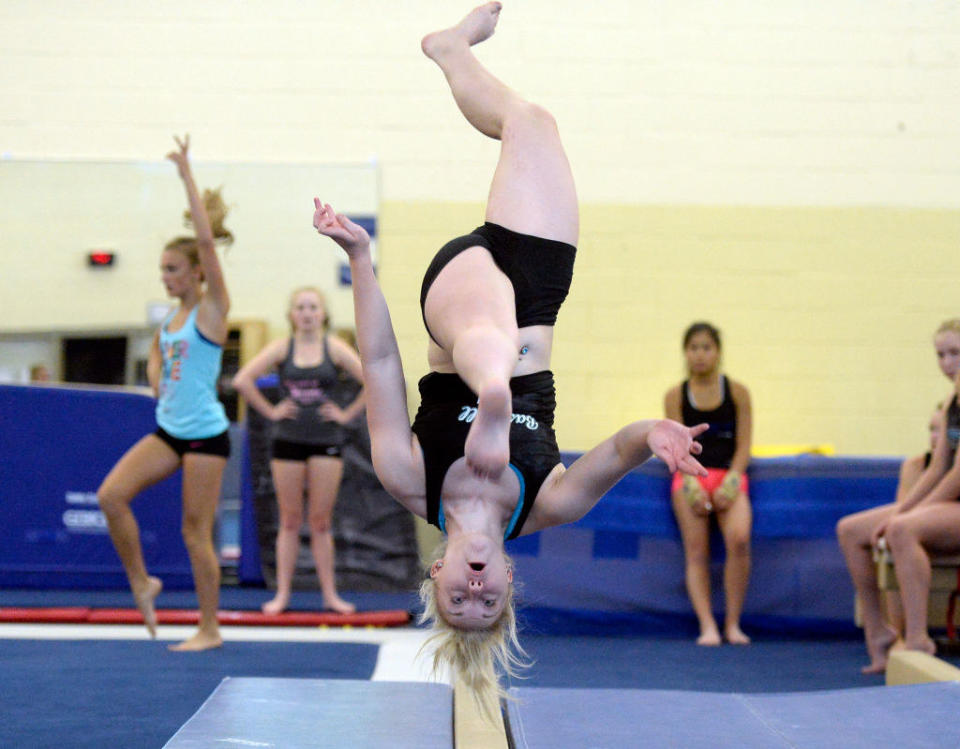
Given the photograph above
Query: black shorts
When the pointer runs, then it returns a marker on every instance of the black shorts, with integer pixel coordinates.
(217, 445)
(283, 450)
(539, 269)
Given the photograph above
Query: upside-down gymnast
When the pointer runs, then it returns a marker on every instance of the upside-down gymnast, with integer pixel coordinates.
(481, 459)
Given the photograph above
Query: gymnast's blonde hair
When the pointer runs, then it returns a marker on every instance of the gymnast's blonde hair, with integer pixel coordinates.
(475, 657)
(217, 212)
(949, 326)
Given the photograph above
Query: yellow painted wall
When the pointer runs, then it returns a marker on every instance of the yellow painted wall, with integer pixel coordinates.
(827, 313)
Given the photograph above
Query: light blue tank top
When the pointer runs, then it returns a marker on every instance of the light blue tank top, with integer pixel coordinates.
(188, 407)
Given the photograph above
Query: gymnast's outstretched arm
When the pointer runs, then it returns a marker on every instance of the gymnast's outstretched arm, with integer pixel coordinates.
(215, 302)
(397, 458)
(570, 494)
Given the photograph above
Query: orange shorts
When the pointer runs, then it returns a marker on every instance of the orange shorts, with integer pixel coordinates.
(711, 482)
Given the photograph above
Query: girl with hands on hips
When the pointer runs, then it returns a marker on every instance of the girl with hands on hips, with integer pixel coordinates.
(307, 440)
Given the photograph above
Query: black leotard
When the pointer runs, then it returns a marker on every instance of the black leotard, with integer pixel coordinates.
(447, 408)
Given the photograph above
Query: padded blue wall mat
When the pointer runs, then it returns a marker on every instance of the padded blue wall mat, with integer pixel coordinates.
(58, 444)
(909, 717)
(624, 559)
(295, 713)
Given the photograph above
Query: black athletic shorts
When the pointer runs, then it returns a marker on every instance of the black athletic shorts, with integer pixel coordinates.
(283, 450)
(217, 445)
(539, 269)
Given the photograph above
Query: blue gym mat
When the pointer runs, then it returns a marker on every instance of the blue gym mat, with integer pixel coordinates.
(295, 713)
(920, 716)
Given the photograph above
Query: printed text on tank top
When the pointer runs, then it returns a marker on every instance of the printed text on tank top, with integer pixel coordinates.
(469, 413)
(307, 391)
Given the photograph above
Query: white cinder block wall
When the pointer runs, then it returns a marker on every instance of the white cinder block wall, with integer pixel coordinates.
(781, 102)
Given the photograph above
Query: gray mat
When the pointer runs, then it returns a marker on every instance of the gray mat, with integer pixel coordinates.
(920, 716)
(342, 713)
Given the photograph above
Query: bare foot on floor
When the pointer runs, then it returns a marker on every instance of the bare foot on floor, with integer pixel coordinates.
(878, 647)
(338, 605)
(477, 26)
(276, 605)
(144, 599)
(487, 448)
(709, 638)
(735, 636)
(200, 641)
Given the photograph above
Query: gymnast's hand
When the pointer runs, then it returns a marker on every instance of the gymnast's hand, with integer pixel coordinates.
(180, 156)
(330, 411)
(352, 237)
(878, 533)
(728, 491)
(285, 409)
(675, 444)
(695, 497)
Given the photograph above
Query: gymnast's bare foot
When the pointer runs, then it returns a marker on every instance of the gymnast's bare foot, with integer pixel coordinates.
(202, 640)
(487, 448)
(338, 605)
(924, 645)
(276, 605)
(144, 597)
(734, 635)
(878, 647)
(710, 638)
(477, 26)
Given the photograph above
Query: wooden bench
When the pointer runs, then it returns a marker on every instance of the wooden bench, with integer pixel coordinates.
(944, 587)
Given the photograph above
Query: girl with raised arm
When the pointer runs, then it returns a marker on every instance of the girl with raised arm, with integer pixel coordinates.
(307, 438)
(183, 369)
(481, 460)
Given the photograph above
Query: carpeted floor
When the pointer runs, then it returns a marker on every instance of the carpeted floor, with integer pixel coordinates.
(134, 693)
(82, 694)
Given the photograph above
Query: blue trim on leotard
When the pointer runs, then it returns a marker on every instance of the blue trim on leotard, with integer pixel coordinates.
(442, 520)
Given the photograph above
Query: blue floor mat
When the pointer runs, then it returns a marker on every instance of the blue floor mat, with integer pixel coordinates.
(86, 693)
(768, 665)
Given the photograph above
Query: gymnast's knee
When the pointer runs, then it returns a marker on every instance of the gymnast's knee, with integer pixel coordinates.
(847, 530)
(319, 522)
(738, 545)
(526, 120)
(899, 534)
(196, 532)
(697, 555)
(291, 521)
(110, 500)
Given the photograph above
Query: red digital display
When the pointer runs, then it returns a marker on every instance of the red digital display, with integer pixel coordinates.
(100, 258)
